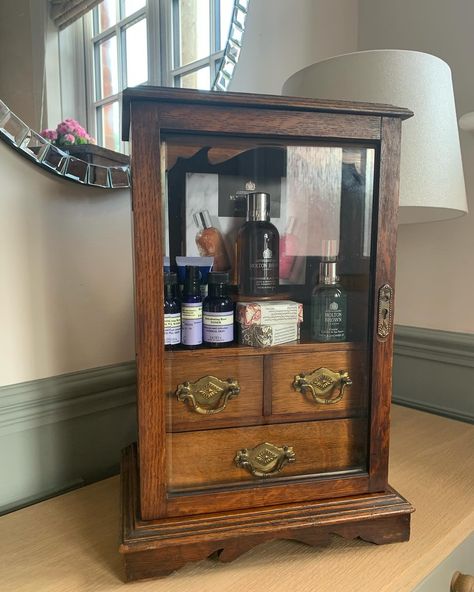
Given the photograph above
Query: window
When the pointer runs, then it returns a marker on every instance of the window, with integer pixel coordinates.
(182, 43)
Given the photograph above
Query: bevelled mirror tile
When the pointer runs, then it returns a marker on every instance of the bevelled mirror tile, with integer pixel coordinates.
(236, 34)
(13, 128)
(233, 51)
(98, 176)
(34, 145)
(4, 110)
(239, 17)
(119, 177)
(55, 159)
(244, 4)
(76, 169)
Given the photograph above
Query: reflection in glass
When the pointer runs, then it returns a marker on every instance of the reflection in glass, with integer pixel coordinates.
(98, 175)
(13, 128)
(76, 169)
(107, 15)
(226, 9)
(4, 110)
(200, 79)
(191, 20)
(108, 123)
(34, 145)
(106, 54)
(55, 159)
(131, 6)
(137, 54)
(119, 177)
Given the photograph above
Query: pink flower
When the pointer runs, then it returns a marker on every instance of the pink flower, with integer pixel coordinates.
(49, 134)
(69, 139)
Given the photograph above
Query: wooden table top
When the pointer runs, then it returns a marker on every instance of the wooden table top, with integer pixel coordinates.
(70, 543)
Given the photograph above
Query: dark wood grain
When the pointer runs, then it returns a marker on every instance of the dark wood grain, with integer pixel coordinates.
(381, 391)
(244, 409)
(204, 459)
(232, 99)
(245, 121)
(288, 401)
(149, 327)
(155, 548)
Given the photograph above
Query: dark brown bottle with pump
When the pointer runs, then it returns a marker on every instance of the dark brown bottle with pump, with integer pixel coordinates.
(258, 249)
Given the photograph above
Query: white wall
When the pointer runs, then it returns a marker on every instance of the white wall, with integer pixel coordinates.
(66, 274)
(435, 279)
(282, 37)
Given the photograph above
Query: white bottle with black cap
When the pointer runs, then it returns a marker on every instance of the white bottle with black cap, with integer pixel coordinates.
(258, 249)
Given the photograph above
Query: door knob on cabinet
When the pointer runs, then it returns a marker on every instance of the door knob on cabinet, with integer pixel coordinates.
(208, 395)
(324, 385)
(265, 459)
(462, 582)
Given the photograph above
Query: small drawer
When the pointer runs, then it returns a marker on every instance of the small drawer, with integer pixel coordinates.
(319, 385)
(212, 391)
(200, 460)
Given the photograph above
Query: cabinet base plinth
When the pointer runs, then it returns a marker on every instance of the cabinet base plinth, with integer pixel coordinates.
(154, 548)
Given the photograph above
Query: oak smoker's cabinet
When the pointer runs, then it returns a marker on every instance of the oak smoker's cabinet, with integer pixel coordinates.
(243, 444)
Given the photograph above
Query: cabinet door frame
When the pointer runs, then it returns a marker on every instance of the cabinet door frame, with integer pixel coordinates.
(151, 118)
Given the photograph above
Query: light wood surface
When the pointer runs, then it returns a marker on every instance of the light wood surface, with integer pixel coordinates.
(70, 543)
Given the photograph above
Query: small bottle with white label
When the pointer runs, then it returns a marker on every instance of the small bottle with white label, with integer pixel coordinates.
(218, 312)
(191, 308)
(172, 309)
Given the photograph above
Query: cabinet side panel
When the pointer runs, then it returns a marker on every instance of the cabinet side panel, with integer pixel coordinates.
(149, 330)
(384, 274)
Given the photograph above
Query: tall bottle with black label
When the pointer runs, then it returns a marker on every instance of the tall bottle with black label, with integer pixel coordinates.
(218, 312)
(191, 308)
(172, 311)
(329, 301)
(258, 249)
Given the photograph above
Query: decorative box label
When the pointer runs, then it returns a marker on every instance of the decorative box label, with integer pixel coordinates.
(271, 312)
(268, 335)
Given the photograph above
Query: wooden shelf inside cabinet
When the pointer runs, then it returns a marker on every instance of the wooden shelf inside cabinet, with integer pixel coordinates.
(240, 445)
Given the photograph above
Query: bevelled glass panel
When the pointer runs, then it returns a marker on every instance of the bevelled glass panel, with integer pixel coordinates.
(76, 169)
(131, 6)
(200, 79)
(107, 15)
(98, 175)
(55, 159)
(239, 17)
(4, 110)
(236, 34)
(34, 145)
(119, 177)
(106, 57)
(13, 128)
(109, 124)
(137, 54)
(226, 9)
(191, 35)
(233, 51)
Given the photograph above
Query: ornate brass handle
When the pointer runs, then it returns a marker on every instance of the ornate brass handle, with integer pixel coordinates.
(322, 383)
(208, 395)
(265, 459)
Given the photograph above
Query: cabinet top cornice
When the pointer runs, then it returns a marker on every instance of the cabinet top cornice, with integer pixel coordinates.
(234, 99)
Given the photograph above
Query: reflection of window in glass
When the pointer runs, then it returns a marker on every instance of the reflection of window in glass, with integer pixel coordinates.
(157, 42)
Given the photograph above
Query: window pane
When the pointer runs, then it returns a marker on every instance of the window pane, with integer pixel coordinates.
(200, 79)
(108, 69)
(108, 121)
(132, 6)
(226, 9)
(136, 51)
(191, 30)
(107, 14)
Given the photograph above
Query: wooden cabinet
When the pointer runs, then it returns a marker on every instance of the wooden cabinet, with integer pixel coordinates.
(242, 444)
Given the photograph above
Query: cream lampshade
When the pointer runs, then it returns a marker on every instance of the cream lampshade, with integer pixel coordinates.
(431, 175)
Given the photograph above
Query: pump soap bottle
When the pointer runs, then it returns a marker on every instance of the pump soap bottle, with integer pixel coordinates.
(329, 300)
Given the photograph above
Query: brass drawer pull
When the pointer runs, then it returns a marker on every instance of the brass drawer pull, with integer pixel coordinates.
(322, 383)
(265, 459)
(208, 395)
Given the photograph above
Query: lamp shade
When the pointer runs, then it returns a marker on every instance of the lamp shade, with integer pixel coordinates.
(431, 175)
